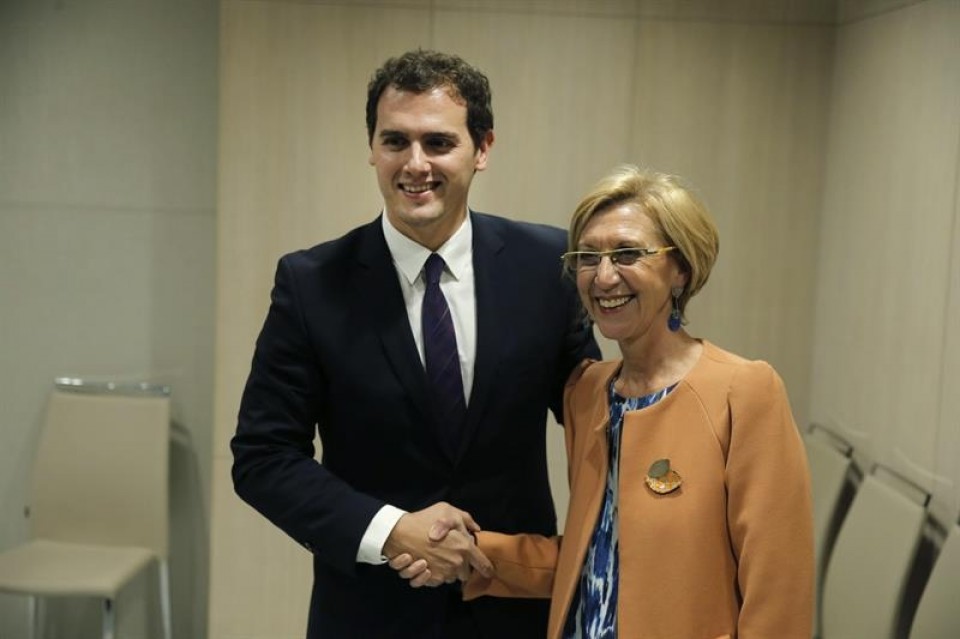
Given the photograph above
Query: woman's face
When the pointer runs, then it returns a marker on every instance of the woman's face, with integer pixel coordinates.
(629, 303)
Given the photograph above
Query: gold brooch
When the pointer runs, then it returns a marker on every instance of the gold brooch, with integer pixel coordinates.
(661, 478)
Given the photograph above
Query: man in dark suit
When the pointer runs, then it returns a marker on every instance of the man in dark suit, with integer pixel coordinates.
(349, 349)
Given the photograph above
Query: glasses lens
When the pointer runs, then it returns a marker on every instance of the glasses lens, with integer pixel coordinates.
(626, 256)
(588, 260)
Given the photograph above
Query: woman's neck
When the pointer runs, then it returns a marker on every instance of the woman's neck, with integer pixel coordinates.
(651, 367)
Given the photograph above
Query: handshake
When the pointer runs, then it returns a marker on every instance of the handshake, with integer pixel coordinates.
(435, 546)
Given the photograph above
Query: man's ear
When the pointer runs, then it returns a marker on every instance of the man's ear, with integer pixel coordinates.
(483, 152)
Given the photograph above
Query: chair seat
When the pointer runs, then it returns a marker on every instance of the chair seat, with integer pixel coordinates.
(51, 568)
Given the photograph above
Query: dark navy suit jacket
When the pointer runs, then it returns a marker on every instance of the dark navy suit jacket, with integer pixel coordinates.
(336, 355)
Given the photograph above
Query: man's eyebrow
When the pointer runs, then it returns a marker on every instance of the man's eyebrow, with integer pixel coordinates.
(447, 135)
(443, 135)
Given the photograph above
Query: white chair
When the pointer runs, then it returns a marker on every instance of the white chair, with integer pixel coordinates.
(872, 558)
(938, 613)
(829, 459)
(98, 504)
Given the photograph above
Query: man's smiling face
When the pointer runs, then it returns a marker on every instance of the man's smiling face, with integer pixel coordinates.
(425, 161)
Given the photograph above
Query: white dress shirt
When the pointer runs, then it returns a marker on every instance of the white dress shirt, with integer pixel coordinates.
(457, 284)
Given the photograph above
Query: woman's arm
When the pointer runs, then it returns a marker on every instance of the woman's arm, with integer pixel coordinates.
(769, 510)
(524, 566)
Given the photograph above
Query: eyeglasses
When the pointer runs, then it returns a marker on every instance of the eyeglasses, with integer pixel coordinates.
(576, 261)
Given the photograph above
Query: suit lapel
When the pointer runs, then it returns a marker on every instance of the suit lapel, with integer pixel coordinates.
(381, 299)
(488, 279)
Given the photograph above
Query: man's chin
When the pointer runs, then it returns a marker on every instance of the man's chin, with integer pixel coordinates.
(421, 216)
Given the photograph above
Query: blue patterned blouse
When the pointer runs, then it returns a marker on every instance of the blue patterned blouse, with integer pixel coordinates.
(593, 612)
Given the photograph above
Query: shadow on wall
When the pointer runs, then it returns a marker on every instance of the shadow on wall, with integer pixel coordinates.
(189, 538)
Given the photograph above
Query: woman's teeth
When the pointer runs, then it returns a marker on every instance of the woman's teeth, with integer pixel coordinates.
(613, 302)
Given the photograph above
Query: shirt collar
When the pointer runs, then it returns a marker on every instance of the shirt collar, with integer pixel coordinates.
(409, 257)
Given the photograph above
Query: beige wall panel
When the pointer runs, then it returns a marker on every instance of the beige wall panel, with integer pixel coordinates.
(107, 215)
(508, 9)
(886, 290)
(261, 584)
(946, 505)
(86, 120)
(740, 112)
(404, 4)
(561, 94)
(723, 10)
(853, 10)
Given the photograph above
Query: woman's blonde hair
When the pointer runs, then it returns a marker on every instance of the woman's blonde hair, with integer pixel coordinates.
(679, 215)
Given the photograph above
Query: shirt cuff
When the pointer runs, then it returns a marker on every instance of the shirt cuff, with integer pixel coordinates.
(371, 545)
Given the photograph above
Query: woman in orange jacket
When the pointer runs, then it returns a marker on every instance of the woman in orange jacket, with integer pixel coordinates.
(690, 510)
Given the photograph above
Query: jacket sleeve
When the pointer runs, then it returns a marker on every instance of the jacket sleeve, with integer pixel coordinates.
(274, 469)
(579, 343)
(769, 508)
(524, 566)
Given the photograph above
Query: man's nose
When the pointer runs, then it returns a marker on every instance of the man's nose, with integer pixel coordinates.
(417, 161)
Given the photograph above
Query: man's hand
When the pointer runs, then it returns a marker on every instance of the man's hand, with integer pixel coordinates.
(435, 546)
(417, 571)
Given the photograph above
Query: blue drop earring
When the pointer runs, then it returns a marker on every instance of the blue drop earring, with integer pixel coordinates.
(674, 321)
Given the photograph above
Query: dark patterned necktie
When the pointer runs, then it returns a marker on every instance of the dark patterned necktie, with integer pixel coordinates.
(440, 354)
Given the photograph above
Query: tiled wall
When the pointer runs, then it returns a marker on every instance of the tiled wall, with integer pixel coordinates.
(886, 358)
(108, 151)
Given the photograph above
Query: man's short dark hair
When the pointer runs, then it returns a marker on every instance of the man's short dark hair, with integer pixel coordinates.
(421, 70)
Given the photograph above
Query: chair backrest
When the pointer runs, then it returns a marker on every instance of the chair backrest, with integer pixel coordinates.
(829, 466)
(870, 562)
(938, 614)
(101, 472)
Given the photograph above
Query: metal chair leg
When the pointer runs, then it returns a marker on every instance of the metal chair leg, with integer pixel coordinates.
(33, 613)
(167, 619)
(109, 619)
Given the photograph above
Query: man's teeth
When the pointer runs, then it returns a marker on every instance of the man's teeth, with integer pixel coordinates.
(417, 188)
(613, 302)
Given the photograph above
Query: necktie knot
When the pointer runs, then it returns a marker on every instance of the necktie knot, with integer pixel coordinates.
(433, 269)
